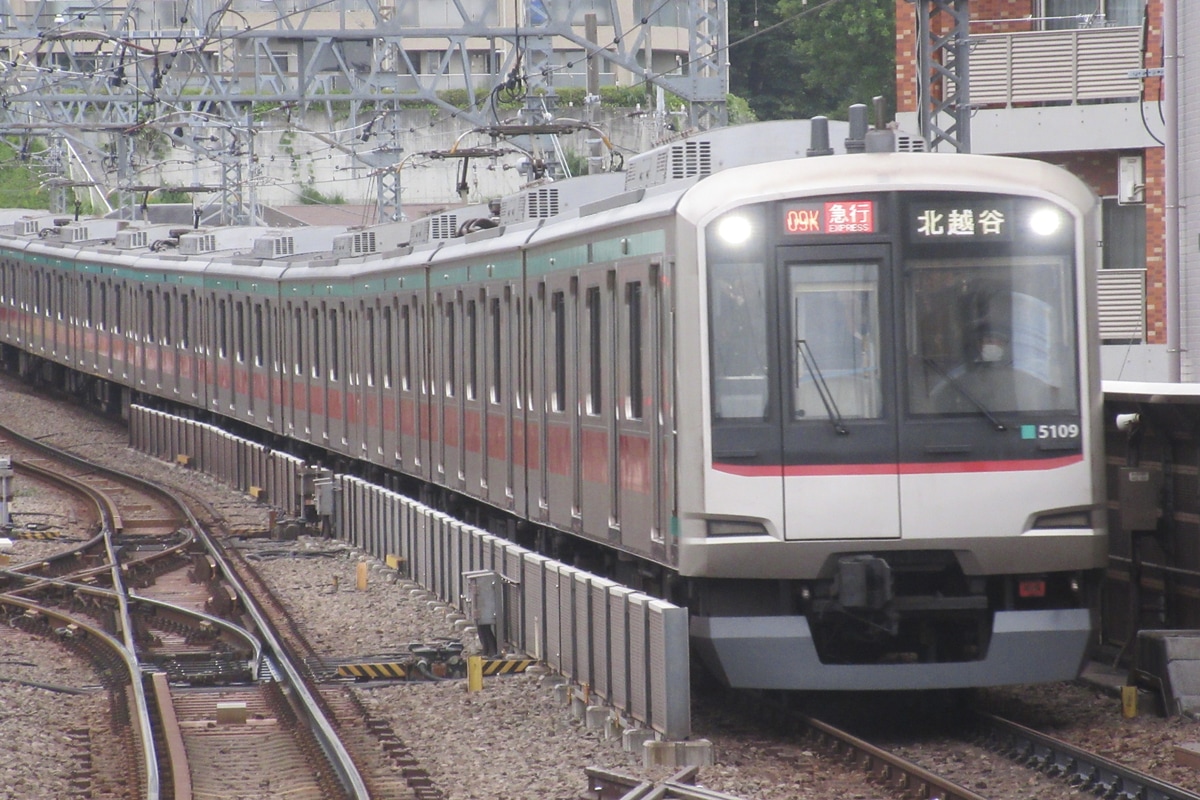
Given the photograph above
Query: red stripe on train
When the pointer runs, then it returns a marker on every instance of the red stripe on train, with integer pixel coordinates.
(813, 470)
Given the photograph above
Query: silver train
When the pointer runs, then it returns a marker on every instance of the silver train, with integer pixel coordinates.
(846, 409)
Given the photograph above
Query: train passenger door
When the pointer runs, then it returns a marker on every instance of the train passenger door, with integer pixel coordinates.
(501, 395)
(637, 483)
(837, 403)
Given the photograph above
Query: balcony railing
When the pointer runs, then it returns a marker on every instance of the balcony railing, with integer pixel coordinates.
(1039, 67)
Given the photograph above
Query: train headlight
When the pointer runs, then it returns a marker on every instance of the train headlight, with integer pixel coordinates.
(1046, 221)
(734, 229)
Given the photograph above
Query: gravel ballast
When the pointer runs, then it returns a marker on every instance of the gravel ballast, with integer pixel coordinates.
(515, 738)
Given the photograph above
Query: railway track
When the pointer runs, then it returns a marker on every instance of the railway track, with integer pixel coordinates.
(1078, 769)
(192, 669)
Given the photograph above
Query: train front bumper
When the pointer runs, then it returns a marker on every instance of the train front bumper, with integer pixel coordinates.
(778, 653)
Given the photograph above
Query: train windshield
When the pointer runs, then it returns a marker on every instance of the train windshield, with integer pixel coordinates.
(991, 335)
(835, 340)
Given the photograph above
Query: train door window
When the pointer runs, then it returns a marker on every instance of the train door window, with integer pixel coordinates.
(495, 385)
(595, 395)
(259, 340)
(520, 341)
(223, 329)
(835, 340)
(116, 320)
(298, 335)
(185, 321)
(422, 325)
(370, 317)
(102, 313)
(150, 327)
(533, 342)
(405, 348)
(62, 298)
(167, 317)
(738, 333)
(472, 334)
(239, 330)
(335, 351)
(314, 333)
(558, 323)
(633, 330)
(89, 308)
(37, 293)
(451, 349)
(389, 347)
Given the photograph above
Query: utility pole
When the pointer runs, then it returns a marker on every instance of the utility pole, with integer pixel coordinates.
(944, 79)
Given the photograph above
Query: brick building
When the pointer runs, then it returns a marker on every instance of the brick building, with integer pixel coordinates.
(1063, 81)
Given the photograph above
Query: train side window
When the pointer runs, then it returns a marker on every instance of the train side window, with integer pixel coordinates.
(370, 346)
(389, 348)
(558, 322)
(451, 350)
(222, 330)
(150, 317)
(595, 397)
(534, 339)
(315, 347)
(495, 389)
(405, 349)
(335, 353)
(167, 333)
(633, 329)
(185, 321)
(520, 341)
(239, 331)
(258, 336)
(298, 338)
(472, 334)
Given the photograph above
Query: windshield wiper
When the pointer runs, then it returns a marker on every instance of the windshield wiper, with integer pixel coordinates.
(958, 387)
(810, 361)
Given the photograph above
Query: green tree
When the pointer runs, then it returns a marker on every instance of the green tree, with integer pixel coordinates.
(20, 186)
(809, 57)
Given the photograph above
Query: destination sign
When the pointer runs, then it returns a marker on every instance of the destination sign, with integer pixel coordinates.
(961, 221)
(831, 217)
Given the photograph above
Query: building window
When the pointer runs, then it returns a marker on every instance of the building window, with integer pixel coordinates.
(1124, 235)
(1071, 14)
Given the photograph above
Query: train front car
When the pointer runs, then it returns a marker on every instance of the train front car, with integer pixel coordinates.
(899, 482)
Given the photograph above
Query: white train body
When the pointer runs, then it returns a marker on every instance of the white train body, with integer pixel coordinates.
(845, 408)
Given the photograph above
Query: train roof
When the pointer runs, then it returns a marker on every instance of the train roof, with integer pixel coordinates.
(650, 185)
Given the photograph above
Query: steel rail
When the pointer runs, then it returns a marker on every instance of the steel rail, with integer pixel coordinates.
(129, 657)
(885, 768)
(149, 751)
(323, 730)
(1080, 768)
